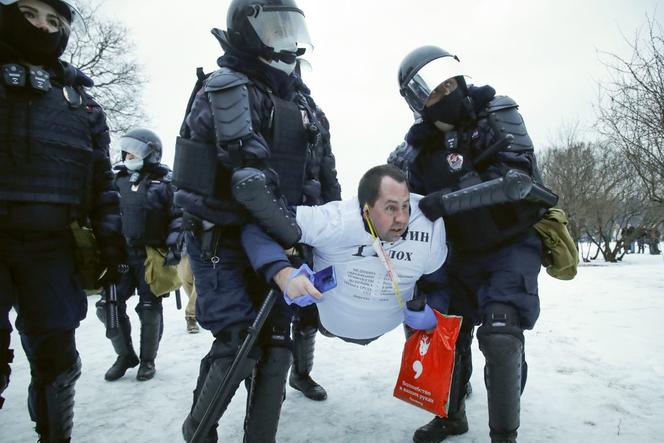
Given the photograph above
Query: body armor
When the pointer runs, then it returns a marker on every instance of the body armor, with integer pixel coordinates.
(142, 225)
(45, 148)
(485, 227)
(292, 133)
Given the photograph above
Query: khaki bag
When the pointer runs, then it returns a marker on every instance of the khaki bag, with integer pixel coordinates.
(161, 279)
(561, 257)
(88, 262)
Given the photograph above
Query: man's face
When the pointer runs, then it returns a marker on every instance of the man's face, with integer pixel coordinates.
(391, 212)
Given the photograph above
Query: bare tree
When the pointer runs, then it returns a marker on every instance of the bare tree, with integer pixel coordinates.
(631, 108)
(105, 54)
(599, 192)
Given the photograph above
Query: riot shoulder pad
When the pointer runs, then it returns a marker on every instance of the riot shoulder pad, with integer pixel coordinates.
(501, 102)
(225, 78)
(229, 99)
(504, 118)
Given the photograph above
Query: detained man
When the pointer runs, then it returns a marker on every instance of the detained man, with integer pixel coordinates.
(386, 255)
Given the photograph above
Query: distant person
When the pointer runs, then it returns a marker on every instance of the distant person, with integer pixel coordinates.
(187, 279)
(149, 219)
(641, 240)
(653, 241)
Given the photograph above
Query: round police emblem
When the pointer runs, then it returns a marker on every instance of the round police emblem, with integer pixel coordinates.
(455, 161)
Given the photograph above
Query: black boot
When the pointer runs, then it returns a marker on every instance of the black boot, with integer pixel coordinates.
(151, 330)
(267, 393)
(214, 367)
(122, 345)
(303, 361)
(440, 428)
(505, 438)
(51, 406)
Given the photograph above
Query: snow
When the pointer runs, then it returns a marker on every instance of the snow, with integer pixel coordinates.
(595, 369)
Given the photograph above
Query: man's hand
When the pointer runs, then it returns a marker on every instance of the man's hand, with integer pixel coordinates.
(424, 320)
(297, 286)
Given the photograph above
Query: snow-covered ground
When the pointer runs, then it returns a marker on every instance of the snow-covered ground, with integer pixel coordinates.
(596, 363)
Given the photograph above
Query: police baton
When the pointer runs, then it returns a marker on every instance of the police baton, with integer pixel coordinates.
(178, 299)
(223, 391)
(112, 316)
(512, 187)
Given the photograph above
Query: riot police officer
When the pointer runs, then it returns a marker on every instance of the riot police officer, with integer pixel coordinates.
(254, 112)
(467, 135)
(54, 170)
(149, 218)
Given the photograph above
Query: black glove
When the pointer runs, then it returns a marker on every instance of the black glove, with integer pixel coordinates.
(112, 275)
(432, 206)
(172, 257)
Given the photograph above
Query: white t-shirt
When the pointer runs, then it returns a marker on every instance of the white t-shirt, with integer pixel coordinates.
(364, 305)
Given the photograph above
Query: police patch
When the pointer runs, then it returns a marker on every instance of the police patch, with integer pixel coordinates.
(455, 161)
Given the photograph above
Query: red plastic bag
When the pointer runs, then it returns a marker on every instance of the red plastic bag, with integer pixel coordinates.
(427, 365)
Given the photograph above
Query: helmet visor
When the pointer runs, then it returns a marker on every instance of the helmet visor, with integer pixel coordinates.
(419, 88)
(282, 29)
(135, 147)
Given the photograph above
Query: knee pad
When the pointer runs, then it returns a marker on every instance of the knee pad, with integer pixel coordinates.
(51, 354)
(306, 318)
(149, 305)
(276, 332)
(227, 342)
(501, 320)
(275, 361)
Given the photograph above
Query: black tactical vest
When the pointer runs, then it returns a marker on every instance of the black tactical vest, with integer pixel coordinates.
(142, 225)
(478, 229)
(45, 148)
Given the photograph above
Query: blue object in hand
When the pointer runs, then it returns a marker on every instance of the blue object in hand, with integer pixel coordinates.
(304, 300)
(421, 320)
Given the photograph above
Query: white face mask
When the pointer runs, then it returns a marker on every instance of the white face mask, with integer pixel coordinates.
(134, 165)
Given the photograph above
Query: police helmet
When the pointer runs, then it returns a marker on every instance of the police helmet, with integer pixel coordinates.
(143, 144)
(422, 70)
(273, 29)
(66, 8)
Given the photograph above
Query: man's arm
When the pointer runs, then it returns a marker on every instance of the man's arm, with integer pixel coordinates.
(270, 260)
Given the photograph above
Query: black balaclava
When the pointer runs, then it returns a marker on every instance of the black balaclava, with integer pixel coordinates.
(452, 108)
(33, 44)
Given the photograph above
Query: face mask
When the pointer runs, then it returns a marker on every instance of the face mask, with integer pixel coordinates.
(134, 165)
(288, 68)
(35, 45)
(448, 110)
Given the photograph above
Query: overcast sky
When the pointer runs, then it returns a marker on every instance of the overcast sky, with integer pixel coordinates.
(543, 54)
